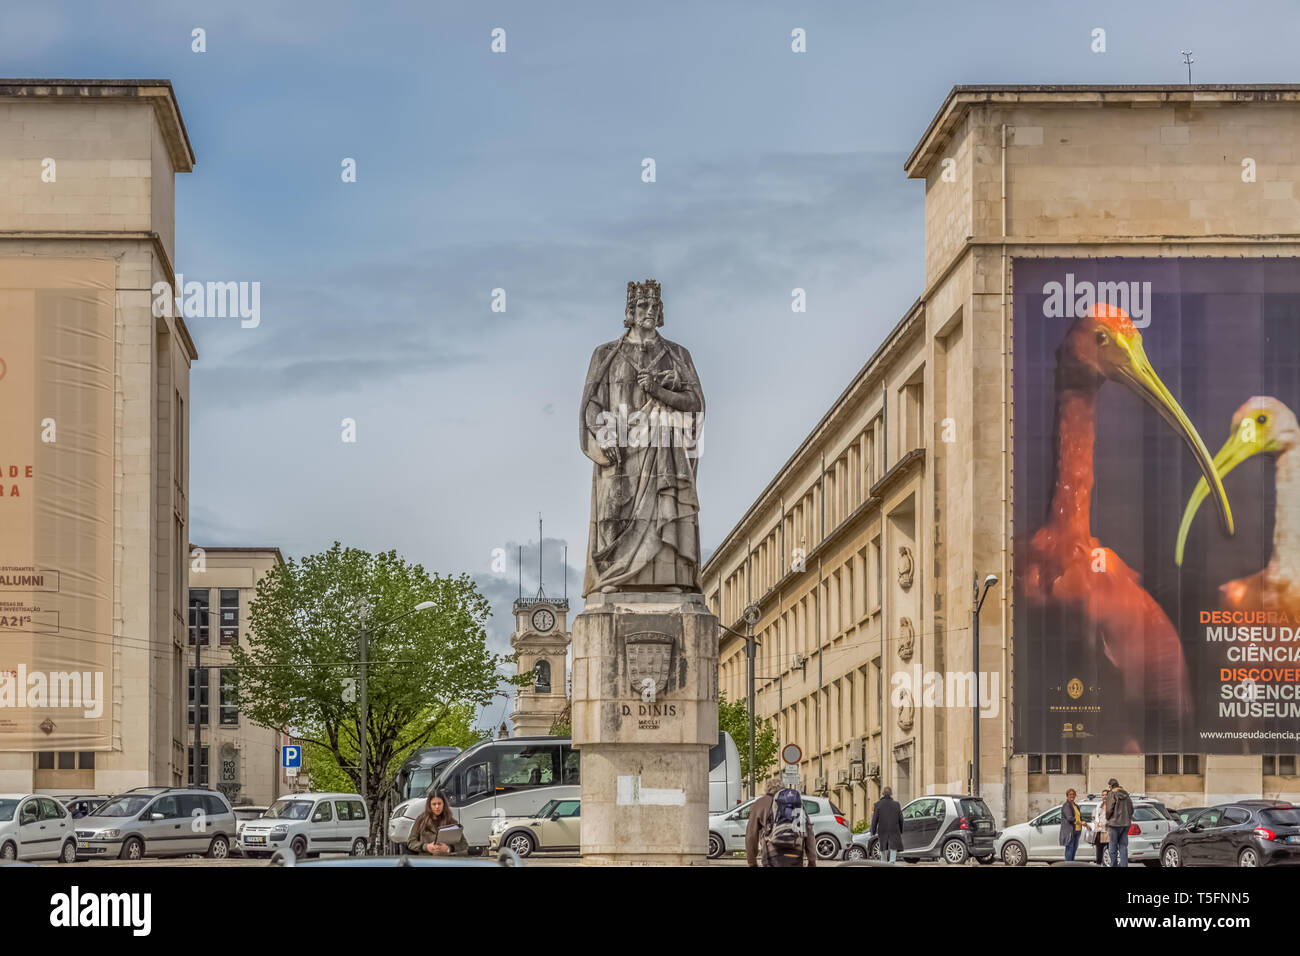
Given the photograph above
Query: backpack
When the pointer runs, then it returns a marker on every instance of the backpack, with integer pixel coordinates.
(787, 826)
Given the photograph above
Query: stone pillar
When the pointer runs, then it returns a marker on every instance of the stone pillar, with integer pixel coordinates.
(645, 713)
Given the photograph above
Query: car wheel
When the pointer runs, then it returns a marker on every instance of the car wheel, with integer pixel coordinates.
(717, 846)
(828, 848)
(219, 849)
(69, 852)
(8, 852)
(299, 847)
(132, 849)
(954, 851)
(522, 843)
(856, 853)
(358, 847)
(1171, 856)
(985, 860)
(873, 851)
(1248, 857)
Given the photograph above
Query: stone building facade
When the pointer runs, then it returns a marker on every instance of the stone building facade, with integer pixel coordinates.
(88, 170)
(863, 550)
(237, 757)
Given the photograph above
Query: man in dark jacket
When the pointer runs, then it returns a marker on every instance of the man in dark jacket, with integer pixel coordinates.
(760, 817)
(1119, 817)
(887, 825)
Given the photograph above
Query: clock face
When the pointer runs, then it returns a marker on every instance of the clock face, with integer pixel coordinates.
(543, 620)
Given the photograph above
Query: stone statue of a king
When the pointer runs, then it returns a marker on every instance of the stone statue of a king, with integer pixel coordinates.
(639, 420)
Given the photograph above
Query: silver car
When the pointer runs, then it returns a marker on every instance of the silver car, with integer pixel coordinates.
(158, 821)
(831, 832)
(33, 827)
(1038, 840)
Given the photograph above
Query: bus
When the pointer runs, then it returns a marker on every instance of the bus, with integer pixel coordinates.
(418, 770)
(514, 776)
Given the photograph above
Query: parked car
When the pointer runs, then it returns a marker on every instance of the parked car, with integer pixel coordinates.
(33, 827)
(1038, 840)
(1242, 833)
(158, 821)
(556, 826)
(948, 827)
(242, 815)
(81, 805)
(309, 824)
(831, 831)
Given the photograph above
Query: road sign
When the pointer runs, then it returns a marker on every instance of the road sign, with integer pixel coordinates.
(291, 757)
(791, 753)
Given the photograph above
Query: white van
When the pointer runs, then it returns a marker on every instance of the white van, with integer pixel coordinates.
(309, 824)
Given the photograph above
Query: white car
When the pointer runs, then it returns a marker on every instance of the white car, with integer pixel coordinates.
(1038, 839)
(830, 830)
(308, 824)
(33, 827)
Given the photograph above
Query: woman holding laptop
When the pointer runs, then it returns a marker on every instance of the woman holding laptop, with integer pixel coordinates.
(435, 831)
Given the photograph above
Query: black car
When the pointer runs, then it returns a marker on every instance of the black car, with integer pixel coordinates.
(1185, 814)
(1241, 833)
(951, 827)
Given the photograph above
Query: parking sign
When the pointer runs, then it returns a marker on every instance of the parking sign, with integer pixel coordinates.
(291, 758)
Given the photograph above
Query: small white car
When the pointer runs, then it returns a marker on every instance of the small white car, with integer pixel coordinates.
(308, 824)
(831, 831)
(33, 827)
(1038, 840)
(556, 826)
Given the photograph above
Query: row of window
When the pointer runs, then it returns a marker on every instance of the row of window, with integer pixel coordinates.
(1282, 765)
(228, 628)
(229, 707)
(65, 760)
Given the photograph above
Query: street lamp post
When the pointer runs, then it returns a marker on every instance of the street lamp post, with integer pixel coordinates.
(363, 652)
(751, 617)
(979, 597)
(198, 671)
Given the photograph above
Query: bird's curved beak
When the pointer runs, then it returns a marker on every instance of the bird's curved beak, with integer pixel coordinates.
(1241, 444)
(1138, 375)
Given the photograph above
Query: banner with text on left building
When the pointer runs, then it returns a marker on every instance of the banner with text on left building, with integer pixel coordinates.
(57, 453)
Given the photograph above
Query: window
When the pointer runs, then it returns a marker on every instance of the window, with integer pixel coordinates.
(343, 809)
(214, 804)
(521, 767)
(476, 781)
(229, 702)
(169, 807)
(1148, 814)
(86, 760)
(1270, 765)
(67, 760)
(1035, 763)
(542, 677)
(567, 808)
(1053, 762)
(30, 812)
(1050, 818)
(1210, 818)
(1152, 764)
(1191, 763)
(358, 809)
(229, 616)
(193, 805)
(1169, 763)
(569, 756)
(1235, 816)
(50, 810)
(323, 813)
(1286, 765)
(45, 760)
(203, 766)
(204, 683)
(1074, 763)
(198, 615)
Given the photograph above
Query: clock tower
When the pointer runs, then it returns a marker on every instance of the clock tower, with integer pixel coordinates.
(541, 639)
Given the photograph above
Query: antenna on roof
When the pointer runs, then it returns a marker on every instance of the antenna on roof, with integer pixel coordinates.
(541, 591)
(566, 574)
(521, 572)
(1187, 58)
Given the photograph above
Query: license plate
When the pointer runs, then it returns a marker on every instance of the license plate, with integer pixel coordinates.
(83, 844)
(254, 839)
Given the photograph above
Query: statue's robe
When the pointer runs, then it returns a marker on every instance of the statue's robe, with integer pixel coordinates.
(645, 531)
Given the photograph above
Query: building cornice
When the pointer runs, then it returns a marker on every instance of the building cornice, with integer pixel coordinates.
(961, 99)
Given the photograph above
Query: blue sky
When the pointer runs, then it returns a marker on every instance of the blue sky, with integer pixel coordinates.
(522, 171)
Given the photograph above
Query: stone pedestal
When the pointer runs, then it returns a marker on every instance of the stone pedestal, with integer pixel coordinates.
(645, 713)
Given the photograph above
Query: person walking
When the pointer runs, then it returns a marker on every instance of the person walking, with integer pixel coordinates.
(1071, 825)
(1119, 817)
(753, 830)
(436, 832)
(778, 817)
(887, 825)
(1101, 832)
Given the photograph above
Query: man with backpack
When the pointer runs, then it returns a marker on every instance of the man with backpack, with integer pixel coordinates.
(1119, 817)
(779, 829)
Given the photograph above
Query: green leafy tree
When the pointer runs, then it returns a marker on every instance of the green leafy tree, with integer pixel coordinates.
(733, 717)
(299, 669)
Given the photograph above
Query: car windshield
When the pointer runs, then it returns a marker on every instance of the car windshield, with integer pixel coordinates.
(7, 808)
(975, 809)
(241, 814)
(289, 810)
(1281, 816)
(122, 807)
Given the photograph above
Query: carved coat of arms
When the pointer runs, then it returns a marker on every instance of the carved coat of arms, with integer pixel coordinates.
(649, 662)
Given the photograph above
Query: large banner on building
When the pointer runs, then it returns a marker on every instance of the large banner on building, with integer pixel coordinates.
(57, 347)
(1157, 505)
